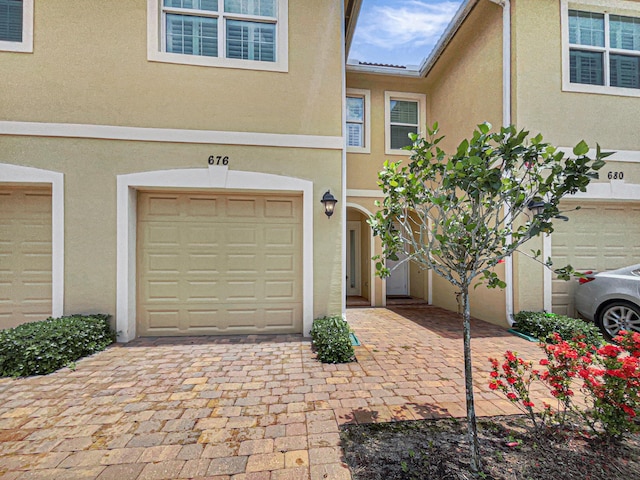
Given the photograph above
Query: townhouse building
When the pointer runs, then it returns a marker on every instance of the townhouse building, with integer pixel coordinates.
(164, 160)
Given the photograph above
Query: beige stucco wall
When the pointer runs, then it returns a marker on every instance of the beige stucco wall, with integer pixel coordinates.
(564, 118)
(464, 89)
(90, 168)
(363, 168)
(540, 104)
(89, 65)
(465, 85)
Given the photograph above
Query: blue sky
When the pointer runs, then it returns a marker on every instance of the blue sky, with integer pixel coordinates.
(401, 32)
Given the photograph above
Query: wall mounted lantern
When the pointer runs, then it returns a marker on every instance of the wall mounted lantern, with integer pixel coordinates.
(536, 207)
(329, 202)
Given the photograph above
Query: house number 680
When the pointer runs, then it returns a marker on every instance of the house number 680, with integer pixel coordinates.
(218, 160)
(615, 175)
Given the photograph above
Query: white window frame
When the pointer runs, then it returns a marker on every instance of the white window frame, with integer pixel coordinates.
(421, 99)
(366, 127)
(26, 45)
(156, 43)
(609, 7)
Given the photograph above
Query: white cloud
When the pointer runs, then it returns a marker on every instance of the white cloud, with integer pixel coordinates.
(409, 24)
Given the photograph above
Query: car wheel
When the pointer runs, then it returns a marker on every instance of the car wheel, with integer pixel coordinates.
(616, 316)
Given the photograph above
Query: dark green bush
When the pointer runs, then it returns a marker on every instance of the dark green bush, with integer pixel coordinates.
(39, 348)
(331, 340)
(541, 325)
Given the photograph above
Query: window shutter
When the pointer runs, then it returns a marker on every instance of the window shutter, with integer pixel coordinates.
(210, 5)
(251, 41)
(192, 35)
(624, 32)
(400, 136)
(354, 135)
(404, 112)
(625, 71)
(263, 8)
(11, 20)
(586, 67)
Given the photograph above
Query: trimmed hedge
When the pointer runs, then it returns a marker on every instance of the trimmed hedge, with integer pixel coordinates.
(541, 325)
(39, 348)
(331, 340)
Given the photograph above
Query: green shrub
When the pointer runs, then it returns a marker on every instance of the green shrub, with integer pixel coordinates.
(331, 340)
(39, 348)
(541, 325)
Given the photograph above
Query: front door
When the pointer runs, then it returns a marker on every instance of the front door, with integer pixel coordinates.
(353, 259)
(398, 281)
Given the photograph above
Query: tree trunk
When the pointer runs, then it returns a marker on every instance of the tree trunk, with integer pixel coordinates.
(472, 428)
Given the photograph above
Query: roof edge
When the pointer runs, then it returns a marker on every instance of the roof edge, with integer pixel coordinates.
(382, 70)
(458, 19)
(351, 14)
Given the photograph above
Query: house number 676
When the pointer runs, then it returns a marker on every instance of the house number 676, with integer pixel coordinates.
(218, 160)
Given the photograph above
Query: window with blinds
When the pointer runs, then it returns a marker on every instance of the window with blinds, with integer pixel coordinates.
(234, 29)
(355, 121)
(11, 13)
(403, 121)
(598, 58)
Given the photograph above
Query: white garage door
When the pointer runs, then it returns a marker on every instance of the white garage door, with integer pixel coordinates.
(600, 236)
(213, 264)
(25, 255)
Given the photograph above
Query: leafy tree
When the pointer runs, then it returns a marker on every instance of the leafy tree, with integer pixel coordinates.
(461, 214)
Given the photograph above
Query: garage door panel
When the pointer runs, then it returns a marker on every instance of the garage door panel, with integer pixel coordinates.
(201, 207)
(280, 317)
(279, 209)
(162, 320)
(238, 236)
(242, 264)
(241, 207)
(162, 206)
(162, 291)
(235, 266)
(280, 263)
(203, 236)
(25, 255)
(204, 321)
(200, 263)
(202, 291)
(162, 263)
(162, 235)
(599, 236)
(280, 236)
(279, 290)
(245, 291)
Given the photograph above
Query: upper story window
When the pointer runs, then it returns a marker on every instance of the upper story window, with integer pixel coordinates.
(249, 34)
(602, 52)
(358, 120)
(16, 25)
(404, 114)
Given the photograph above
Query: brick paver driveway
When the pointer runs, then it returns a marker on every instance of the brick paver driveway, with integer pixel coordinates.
(247, 408)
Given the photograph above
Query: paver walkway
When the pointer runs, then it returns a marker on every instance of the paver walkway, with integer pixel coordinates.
(250, 408)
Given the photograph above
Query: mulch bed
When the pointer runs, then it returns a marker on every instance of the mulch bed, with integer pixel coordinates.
(438, 450)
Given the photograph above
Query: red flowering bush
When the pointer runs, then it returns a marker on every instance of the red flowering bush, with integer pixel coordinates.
(610, 383)
(514, 378)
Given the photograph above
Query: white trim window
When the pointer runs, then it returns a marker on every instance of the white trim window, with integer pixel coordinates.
(16, 26)
(358, 119)
(226, 33)
(601, 51)
(405, 113)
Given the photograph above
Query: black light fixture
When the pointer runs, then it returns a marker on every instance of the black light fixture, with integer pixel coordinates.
(329, 202)
(536, 207)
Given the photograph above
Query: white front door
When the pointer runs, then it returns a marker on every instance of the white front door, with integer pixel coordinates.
(353, 259)
(398, 281)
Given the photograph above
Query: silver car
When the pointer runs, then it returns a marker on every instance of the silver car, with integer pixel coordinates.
(611, 299)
